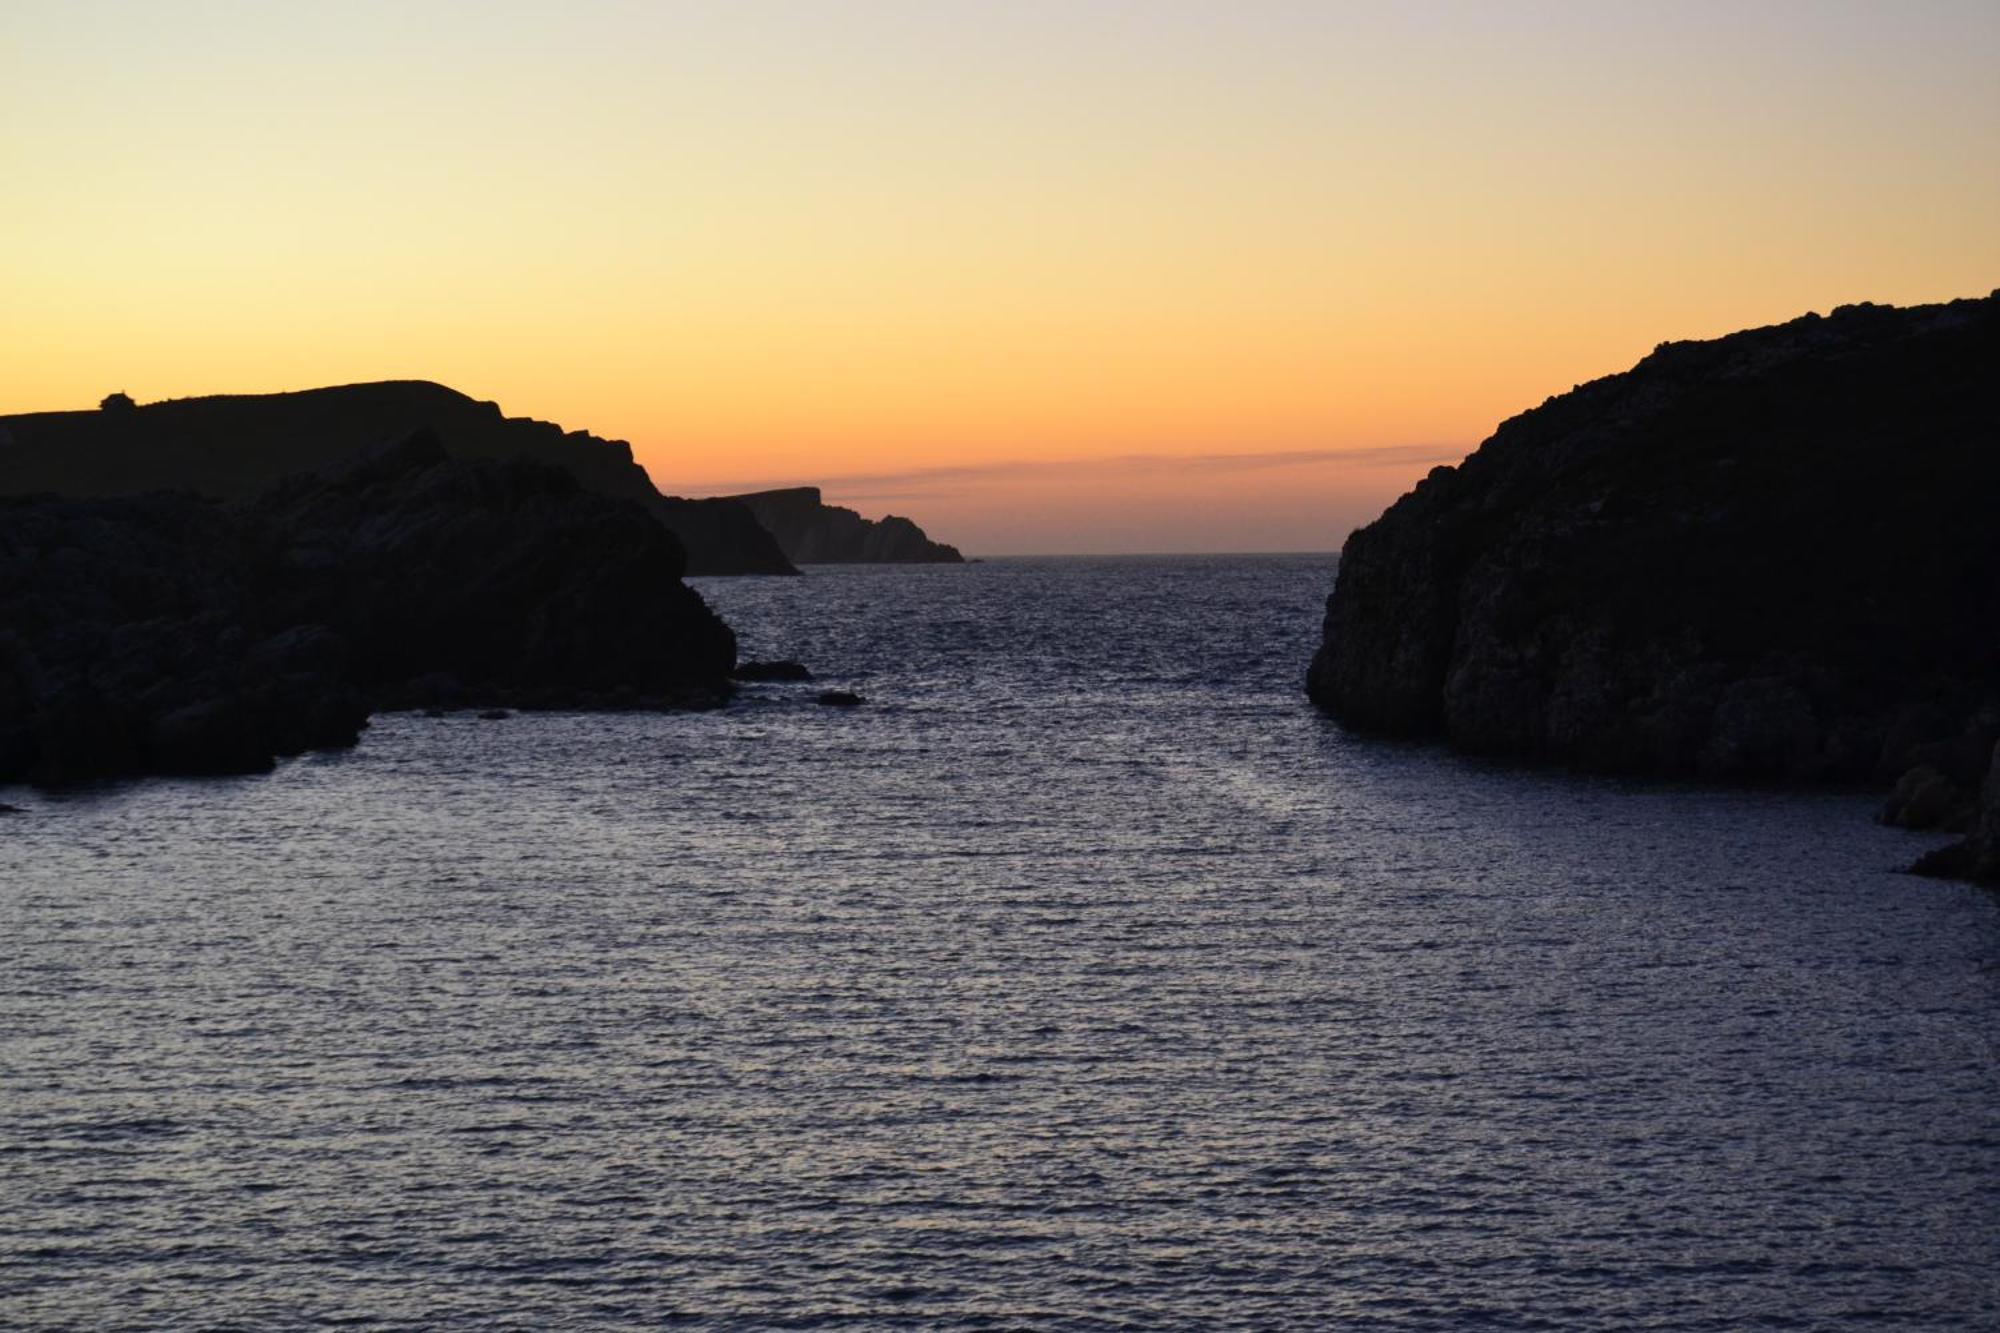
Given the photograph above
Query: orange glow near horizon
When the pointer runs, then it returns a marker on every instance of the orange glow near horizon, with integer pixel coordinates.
(780, 243)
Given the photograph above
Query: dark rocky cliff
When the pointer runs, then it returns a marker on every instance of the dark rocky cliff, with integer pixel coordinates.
(236, 445)
(812, 532)
(169, 633)
(1774, 555)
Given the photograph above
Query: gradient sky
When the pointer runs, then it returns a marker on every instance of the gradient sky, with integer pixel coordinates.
(1045, 276)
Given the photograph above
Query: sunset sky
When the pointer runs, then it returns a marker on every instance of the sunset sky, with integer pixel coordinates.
(1044, 276)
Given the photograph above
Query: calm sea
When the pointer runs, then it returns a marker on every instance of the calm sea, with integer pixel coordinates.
(1085, 978)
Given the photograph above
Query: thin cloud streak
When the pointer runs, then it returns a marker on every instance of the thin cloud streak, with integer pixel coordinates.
(917, 483)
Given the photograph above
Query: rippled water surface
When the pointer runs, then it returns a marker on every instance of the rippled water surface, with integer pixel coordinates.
(1083, 979)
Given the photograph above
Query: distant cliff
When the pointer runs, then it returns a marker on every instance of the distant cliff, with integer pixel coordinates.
(235, 445)
(169, 633)
(1774, 555)
(812, 532)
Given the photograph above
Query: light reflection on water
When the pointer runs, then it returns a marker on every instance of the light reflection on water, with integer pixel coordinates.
(1083, 979)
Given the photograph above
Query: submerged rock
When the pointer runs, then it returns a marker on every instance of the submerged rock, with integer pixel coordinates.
(766, 671)
(839, 698)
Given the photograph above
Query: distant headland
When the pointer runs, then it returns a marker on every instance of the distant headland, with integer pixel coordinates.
(812, 532)
(1770, 556)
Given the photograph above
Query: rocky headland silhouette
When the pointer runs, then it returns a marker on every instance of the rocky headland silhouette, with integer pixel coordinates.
(233, 446)
(812, 532)
(1769, 556)
(171, 633)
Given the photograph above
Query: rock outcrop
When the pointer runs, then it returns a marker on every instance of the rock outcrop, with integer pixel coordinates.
(812, 532)
(1978, 855)
(235, 446)
(174, 634)
(151, 635)
(1774, 555)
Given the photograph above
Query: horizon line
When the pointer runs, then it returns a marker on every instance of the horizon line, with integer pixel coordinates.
(976, 558)
(856, 485)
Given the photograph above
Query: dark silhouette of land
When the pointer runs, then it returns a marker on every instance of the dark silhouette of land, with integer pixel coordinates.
(177, 634)
(234, 446)
(812, 532)
(1774, 555)
(205, 584)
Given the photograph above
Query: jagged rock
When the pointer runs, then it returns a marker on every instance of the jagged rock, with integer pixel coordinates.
(1773, 555)
(812, 532)
(135, 636)
(530, 582)
(235, 446)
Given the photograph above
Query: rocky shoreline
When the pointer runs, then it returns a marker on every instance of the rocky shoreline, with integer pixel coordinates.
(1773, 556)
(176, 634)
